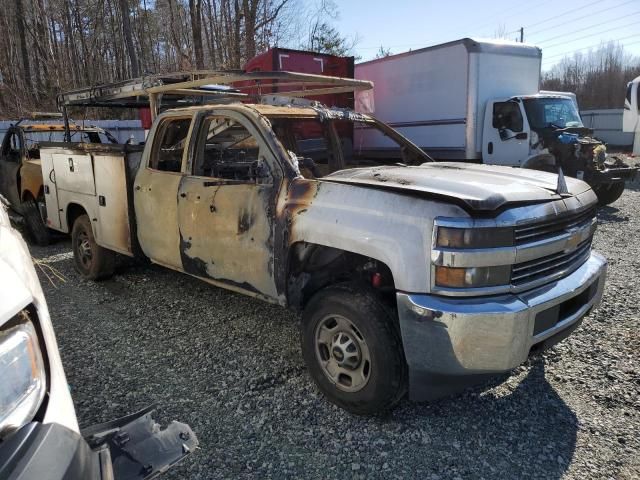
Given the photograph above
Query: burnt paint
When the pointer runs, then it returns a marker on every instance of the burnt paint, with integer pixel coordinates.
(245, 221)
(296, 199)
(195, 266)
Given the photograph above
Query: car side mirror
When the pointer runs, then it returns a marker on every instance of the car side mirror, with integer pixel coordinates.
(504, 135)
(521, 136)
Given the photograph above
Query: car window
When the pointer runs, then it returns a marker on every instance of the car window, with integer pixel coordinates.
(169, 146)
(226, 149)
(507, 115)
(11, 148)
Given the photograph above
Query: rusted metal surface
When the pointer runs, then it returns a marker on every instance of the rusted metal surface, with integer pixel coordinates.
(30, 179)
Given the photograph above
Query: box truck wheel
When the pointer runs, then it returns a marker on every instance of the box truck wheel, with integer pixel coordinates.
(607, 194)
(36, 227)
(91, 260)
(352, 348)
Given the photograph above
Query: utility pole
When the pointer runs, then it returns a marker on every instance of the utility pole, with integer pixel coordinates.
(521, 34)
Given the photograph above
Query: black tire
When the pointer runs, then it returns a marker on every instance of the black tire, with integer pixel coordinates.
(375, 331)
(91, 260)
(36, 228)
(607, 194)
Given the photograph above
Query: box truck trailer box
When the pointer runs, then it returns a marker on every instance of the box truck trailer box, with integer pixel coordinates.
(480, 101)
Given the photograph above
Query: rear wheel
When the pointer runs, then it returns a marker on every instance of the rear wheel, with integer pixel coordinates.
(36, 226)
(607, 194)
(352, 349)
(91, 260)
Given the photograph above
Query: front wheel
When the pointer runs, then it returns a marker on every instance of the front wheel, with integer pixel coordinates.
(607, 194)
(352, 349)
(91, 260)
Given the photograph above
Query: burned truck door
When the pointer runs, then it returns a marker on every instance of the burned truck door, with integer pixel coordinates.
(156, 191)
(225, 205)
(10, 163)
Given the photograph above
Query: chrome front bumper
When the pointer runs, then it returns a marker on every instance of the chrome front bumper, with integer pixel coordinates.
(451, 343)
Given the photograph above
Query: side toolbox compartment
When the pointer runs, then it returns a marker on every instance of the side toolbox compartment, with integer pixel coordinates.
(112, 202)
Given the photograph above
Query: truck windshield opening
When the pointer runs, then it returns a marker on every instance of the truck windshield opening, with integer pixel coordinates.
(552, 113)
(337, 144)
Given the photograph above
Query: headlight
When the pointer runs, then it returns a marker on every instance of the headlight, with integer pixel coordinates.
(473, 277)
(488, 237)
(22, 375)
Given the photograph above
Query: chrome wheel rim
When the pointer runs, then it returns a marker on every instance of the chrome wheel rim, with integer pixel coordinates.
(83, 249)
(342, 353)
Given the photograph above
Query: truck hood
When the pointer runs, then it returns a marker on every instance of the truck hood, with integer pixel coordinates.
(478, 187)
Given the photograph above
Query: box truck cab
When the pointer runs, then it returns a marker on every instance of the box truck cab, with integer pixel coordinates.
(514, 127)
(480, 101)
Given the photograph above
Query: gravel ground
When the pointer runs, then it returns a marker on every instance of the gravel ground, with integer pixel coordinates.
(231, 367)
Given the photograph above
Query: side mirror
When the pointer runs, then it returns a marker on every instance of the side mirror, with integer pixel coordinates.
(504, 135)
(521, 136)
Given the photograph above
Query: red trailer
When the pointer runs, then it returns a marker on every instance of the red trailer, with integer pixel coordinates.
(309, 134)
(300, 61)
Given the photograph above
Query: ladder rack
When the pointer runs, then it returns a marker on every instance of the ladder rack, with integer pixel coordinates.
(194, 88)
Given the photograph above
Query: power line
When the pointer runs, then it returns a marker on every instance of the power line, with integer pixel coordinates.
(562, 14)
(519, 12)
(588, 28)
(592, 46)
(590, 14)
(552, 63)
(589, 36)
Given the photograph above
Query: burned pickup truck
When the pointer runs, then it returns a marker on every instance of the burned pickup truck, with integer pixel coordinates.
(20, 172)
(415, 276)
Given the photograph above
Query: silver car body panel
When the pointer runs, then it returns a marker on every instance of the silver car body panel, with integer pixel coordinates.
(19, 288)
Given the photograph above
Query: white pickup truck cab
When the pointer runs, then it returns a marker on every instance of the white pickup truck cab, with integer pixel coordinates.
(415, 276)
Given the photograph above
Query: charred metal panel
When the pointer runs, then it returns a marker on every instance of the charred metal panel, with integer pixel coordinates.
(30, 178)
(226, 231)
(156, 205)
(393, 228)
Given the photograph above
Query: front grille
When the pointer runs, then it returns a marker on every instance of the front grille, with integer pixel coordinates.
(552, 266)
(549, 228)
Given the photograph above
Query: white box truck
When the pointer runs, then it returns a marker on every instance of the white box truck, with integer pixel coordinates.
(480, 101)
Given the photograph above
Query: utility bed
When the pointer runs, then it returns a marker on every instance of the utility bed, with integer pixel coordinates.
(97, 177)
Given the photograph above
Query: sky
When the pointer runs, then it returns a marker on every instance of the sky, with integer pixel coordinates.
(557, 27)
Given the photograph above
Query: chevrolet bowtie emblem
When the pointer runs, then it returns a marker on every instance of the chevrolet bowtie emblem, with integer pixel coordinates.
(561, 187)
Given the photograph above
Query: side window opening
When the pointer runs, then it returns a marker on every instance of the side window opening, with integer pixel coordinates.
(169, 148)
(507, 115)
(11, 148)
(228, 150)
